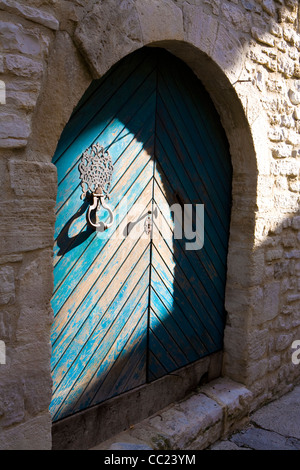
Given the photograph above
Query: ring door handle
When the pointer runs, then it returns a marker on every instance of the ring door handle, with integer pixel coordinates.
(97, 200)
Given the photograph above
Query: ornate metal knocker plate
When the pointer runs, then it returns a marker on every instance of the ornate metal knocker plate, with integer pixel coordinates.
(96, 169)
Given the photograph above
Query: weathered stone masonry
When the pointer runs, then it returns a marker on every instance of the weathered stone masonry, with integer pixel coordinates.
(246, 52)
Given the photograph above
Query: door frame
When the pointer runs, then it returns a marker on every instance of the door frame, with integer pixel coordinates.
(243, 141)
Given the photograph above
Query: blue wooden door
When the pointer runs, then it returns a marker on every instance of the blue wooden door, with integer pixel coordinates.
(130, 309)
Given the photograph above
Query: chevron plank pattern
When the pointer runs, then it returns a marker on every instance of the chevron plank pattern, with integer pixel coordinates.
(130, 309)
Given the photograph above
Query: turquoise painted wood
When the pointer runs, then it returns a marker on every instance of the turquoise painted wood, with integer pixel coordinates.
(130, 307)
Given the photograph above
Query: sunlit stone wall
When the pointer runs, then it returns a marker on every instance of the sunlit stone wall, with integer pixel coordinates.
(246, 52)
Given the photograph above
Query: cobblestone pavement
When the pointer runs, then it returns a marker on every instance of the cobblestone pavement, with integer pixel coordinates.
(275, 426)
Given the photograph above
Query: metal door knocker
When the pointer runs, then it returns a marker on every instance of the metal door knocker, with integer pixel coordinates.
(96, 171)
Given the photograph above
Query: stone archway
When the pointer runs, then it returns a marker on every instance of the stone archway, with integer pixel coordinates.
(105, 36)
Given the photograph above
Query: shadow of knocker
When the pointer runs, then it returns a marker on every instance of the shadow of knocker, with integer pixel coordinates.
(66, 243)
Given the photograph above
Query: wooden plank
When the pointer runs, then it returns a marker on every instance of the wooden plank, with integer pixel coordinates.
(176, 179)
(112, 89)
(127, 344)
(172, 109)
(205, 269)
(98, 124)
(155, 369)
(198, 190)
(85, 344)
(181, 313)
(67, 249)
(127, 369)
(99, 279)
(167, 324)
(184, 292)
(201, 108)
(161, 328)
(130, 188)
(116, 136)
(161, 353)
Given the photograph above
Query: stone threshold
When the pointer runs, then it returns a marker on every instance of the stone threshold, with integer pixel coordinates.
(211, 413)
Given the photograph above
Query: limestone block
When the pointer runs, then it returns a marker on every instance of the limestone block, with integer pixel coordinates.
(235, 352)
(234, 398)
(12, 409)
(281, 151)
(25, 226)
(290, 35)
(23, 66)
(195, 422)
(65, 82)
(283, 342)
(283, 268)
(160, 21)
(37, 392)
(258, 343)
(14, 126)
(228, 53)
(237, 16)
(36, 284)
(285, 167)
(25, 101)
(215, 4)
(292, 254)
(257, 370)
(296, 222)
(7, 285)
(271, 301)
(33, 179)
(276, 29)
(34, 322)
(269, 7)
(10, 143)
(33, 14)
(32, 356)
(205, 418)
(274, 363)
(276, 134)
(249, 5)
(110, 31)
(286, 66)
(291, 4)
(294, 97)
(34, 434)
(296, 114)
(200, 29)
(263, 37)
(13, 37)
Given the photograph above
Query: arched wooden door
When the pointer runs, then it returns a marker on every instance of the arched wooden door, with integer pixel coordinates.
(130, 309)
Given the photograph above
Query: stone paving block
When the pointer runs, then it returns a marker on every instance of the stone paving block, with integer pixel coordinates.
(227, 445)
(261, 439)
(282, 416)
(235, 398)
(189, 420)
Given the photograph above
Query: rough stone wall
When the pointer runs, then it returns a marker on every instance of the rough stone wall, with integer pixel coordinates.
(247, 54)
